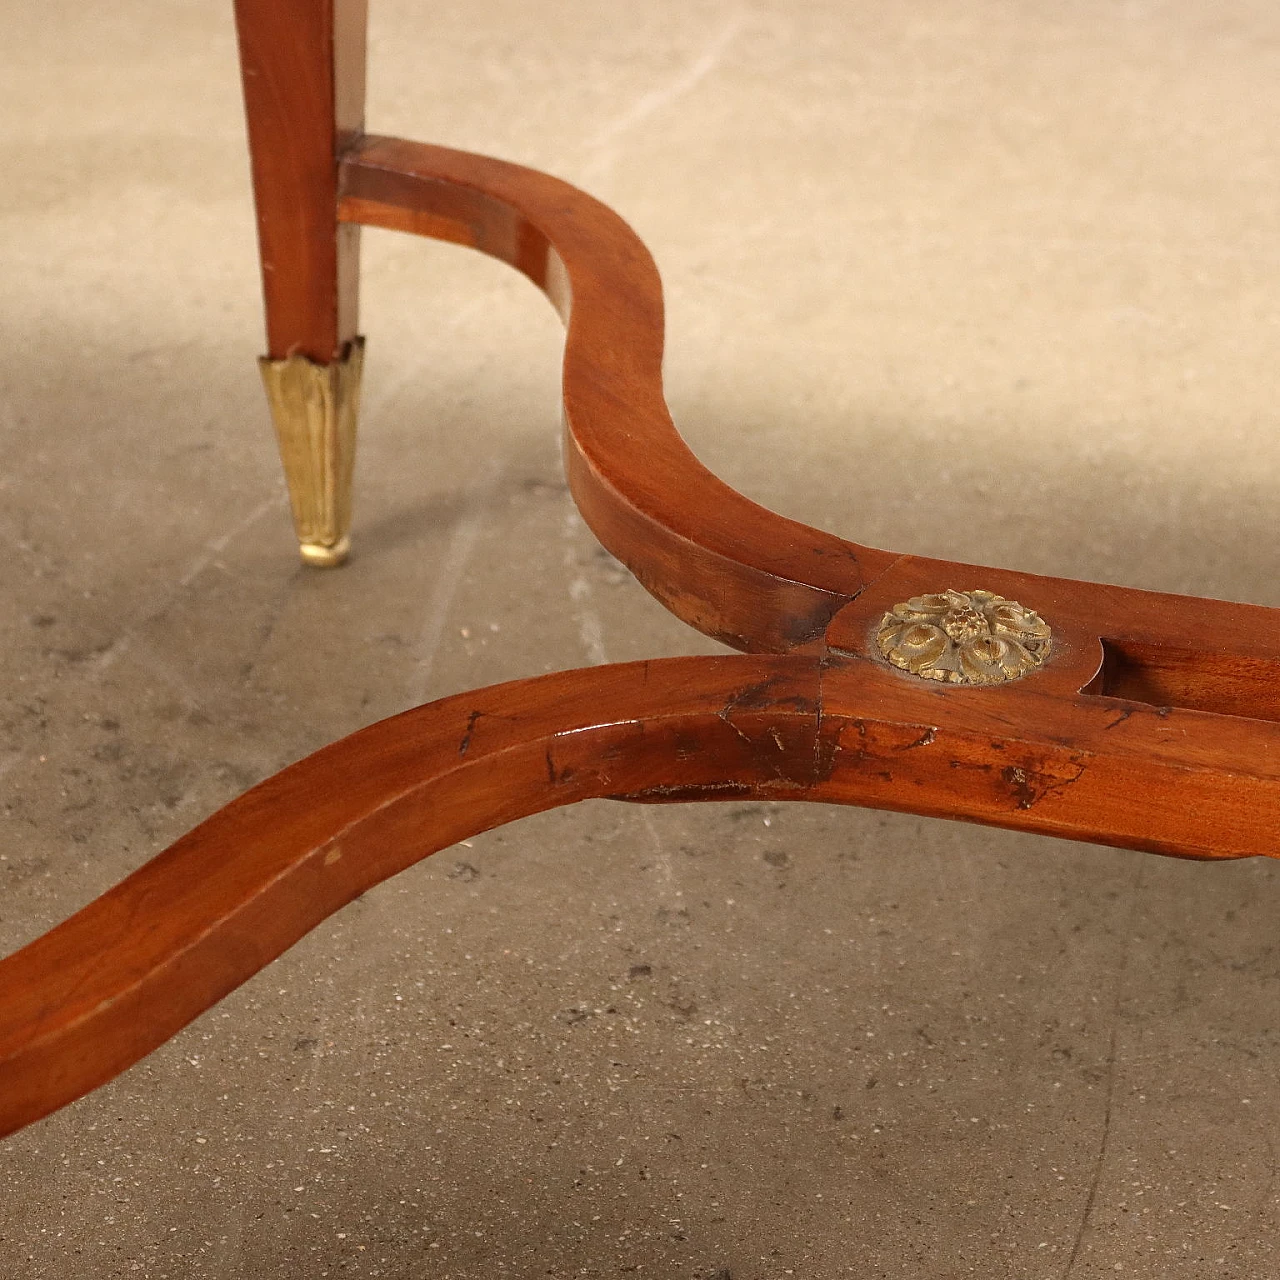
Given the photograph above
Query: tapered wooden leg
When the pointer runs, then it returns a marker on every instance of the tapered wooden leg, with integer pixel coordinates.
(303, 63)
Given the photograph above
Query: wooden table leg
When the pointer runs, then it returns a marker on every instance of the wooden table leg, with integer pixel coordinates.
(303, 63)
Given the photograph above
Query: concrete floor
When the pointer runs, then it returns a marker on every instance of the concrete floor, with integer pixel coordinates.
(996, 281)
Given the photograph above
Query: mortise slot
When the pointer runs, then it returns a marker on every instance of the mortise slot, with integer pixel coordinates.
(1224, 683)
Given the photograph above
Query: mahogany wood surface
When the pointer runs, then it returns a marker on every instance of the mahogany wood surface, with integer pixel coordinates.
(303, 68)
(92, 996)
(1153, 725)
(738, 572)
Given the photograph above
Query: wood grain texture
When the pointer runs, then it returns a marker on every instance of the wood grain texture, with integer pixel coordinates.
(114, 981)
(303, 69)
(1153, 724)
(86, 1000)
(736, 571)
(744, 575)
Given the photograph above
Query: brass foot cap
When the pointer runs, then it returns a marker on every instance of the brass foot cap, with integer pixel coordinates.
(314, 408)
(322, 556)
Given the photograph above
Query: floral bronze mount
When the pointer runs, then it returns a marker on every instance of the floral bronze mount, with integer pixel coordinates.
(964, 637)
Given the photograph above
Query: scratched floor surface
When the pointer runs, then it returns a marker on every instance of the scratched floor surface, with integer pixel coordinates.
(996, 282)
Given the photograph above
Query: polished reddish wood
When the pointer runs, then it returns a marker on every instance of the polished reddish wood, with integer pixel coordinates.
(113, 982)
(303, 68)
(1154, 724)
(735, 570)
(745, 575)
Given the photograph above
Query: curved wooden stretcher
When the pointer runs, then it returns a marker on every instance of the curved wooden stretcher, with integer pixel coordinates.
(1153, 724)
